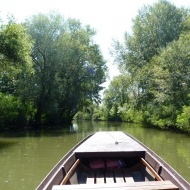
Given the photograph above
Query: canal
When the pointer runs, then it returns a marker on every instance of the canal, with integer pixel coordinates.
(26, 157)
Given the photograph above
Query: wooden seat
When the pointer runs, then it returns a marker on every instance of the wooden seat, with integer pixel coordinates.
(159, 185)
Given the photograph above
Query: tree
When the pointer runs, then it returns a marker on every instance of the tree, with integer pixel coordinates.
(69, 67)
(15, 50)
(118, 93)
(153, 28)
(170, 81)
(15, 46)
(82, 69)
(45, 31)
(15, 61)
(156, 26)
(155, 55)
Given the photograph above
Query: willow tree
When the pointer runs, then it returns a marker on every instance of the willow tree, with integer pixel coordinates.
(69, 67)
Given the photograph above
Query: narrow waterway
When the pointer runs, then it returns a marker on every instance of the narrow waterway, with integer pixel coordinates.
(26, 157)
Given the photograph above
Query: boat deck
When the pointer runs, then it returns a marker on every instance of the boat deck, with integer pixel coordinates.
(110, 144)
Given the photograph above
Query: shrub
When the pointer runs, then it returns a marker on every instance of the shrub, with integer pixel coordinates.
(183, 120)
(10, 108)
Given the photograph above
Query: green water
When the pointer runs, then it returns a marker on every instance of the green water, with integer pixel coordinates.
(25, 158)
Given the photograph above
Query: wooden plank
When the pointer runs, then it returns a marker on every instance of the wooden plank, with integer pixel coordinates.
(70, 172)
(119, 176)
(100, 178)
(109, 176)
(152, 170)
(90, 178)
(128, 177)
(112, 141)
(159, 185)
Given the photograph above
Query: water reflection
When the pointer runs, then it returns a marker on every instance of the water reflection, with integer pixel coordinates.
(74, 127)
(27, 156)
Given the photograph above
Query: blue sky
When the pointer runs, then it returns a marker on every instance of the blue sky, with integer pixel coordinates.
(110, 18)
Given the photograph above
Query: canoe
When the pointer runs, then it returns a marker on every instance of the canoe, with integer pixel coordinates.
(112, 160)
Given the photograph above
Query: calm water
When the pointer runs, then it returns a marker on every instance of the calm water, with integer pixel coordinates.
(25, 158)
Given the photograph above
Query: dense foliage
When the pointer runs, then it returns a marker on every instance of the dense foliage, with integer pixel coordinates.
(154, 62)
(51, 69)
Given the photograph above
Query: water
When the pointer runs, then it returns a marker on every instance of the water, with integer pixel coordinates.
(26, 157)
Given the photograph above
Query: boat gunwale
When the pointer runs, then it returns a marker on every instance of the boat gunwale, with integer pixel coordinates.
(175, 176)
(56, 168)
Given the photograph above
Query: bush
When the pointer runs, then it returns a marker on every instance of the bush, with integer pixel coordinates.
(10, 109)
(78, 116)
(183, 120)
(131, 115)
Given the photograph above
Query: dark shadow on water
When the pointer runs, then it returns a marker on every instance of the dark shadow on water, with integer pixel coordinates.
(47, 131)
(4, 144)
(77, 127)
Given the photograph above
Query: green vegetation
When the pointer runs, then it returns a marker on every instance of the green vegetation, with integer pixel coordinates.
(154, 84)
(52, 71)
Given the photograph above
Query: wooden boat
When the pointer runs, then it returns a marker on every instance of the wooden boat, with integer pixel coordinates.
(112, 160)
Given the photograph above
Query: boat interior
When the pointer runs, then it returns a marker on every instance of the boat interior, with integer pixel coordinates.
(84, 172)
(110, 170)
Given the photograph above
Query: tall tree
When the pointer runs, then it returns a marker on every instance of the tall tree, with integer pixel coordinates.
(155, 56)
(45, 31)
(119, 92)
(15, 45)
(153, 28)
(15, 62)
(82, 69)
(69, 67)
(15, 50)
(170, 81)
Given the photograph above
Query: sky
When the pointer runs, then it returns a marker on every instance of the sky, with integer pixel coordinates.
(110, 18)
